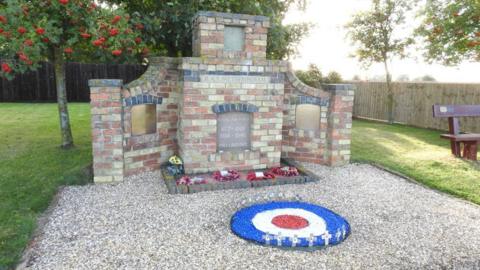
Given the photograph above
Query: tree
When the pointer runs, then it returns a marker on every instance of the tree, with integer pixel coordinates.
(333, 77)
(451, 30)
(377, 78)
(61, 30)
(356, 78)
(403, 78)
(426, 78)
(312, 77)
(171, 22)
(376, 35)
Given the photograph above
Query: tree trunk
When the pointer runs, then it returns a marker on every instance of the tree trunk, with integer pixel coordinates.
(390, 101)
(66, 132)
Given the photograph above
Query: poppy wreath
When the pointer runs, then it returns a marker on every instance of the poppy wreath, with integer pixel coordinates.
(230, 176)
(285, 171)
(253, 176)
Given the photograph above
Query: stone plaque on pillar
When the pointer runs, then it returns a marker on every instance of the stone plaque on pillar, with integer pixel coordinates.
(234, 38)
(233, 131)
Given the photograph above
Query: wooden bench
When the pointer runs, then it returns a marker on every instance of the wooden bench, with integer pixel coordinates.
(469, 141)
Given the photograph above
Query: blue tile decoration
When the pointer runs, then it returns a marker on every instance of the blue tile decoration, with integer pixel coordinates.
(142, 99)
(311, 100)
(234, 107)
(191, 76)
(105, 83)
(325, 227)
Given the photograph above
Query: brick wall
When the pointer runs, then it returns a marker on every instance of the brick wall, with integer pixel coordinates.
(298, 144)
(212, 82)
(340, 123)
(189, 95)
(208, 35)
(107, 132)
(330, 144)
(159, 85)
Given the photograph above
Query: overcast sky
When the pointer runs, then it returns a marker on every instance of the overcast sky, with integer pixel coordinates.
(328, 47)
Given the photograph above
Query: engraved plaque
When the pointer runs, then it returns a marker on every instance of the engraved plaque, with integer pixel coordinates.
(144, 119)
(233, 38)
(234, 79)
(233, 131)
(307, 117)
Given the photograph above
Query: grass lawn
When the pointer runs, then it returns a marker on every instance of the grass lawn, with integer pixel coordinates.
(417, 153)
(32, 167)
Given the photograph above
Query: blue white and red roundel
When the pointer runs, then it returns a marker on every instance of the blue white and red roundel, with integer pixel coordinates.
(290, 224)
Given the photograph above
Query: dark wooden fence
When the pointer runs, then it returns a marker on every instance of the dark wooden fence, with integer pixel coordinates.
(39, 86)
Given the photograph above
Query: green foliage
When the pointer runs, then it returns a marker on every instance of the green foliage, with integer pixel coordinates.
(33, 167)
(403, 78)
(170, 22)
(426, 78)
(374, 33)
(30, 31)
(451, 31)
(333, 77)
(313, 76)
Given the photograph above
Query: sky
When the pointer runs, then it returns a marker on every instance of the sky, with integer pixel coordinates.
(328, 47)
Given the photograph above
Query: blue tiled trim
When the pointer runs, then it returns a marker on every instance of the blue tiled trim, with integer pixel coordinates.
(234, 107)
(142, 99)
(311, 100)
(105, 83)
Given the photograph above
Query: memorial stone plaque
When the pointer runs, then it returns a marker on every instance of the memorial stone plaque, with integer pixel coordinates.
(233, 131)
(234, 38)
(144, 119)
(307, 117)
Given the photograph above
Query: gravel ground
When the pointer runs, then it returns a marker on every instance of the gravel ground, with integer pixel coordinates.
(137, 225)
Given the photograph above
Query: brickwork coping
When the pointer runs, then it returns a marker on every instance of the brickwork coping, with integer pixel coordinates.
(232, 16)
(105, 83)
(302, 87)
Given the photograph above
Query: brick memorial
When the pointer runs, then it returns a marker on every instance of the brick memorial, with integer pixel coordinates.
(227, 107)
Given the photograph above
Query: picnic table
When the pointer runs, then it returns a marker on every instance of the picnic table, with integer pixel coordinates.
(469, 141)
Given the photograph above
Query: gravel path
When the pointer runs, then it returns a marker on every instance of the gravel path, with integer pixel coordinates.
(136, 225)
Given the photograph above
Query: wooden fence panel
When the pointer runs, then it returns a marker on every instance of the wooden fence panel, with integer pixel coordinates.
(40, 85)
(413, 102)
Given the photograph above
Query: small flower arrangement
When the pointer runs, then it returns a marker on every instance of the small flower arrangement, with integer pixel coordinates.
(285, 171)
(259, 176)
(224, 176)
(185, 180)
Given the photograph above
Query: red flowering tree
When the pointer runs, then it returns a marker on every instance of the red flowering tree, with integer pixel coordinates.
(451, 30)
(60, 31)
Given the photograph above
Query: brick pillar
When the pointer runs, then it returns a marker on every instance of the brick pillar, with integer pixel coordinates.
(339, 123)
(107, 130)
